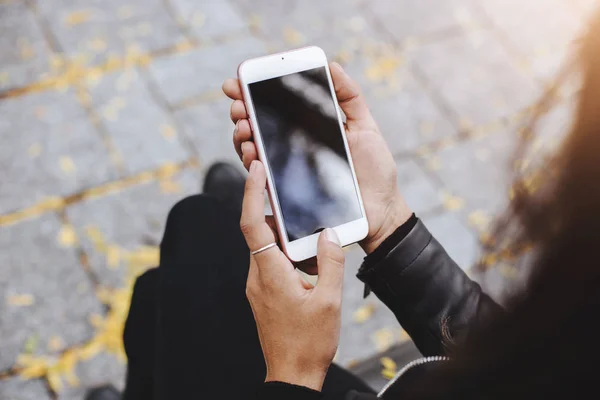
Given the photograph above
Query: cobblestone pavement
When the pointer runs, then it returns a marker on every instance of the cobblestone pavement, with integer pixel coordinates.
(110, 112)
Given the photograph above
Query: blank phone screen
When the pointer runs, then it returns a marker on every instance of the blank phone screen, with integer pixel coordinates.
(305, 149)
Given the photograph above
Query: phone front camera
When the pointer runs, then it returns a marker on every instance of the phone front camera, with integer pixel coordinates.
(282, 58)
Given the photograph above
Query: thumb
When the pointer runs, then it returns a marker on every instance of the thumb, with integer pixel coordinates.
(330, 261)
(350, 98)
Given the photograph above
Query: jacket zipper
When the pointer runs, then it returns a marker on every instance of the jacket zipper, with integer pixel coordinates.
(409, 366)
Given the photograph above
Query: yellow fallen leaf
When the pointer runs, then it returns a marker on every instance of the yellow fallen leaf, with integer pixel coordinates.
(352, 363)
(167, 170)
(125, 12)
(388, 373)
(77, 17)
(25, 49)
(36, 368)
(54, 381)
(4, 78)
(97, 45)
(254, 21)
(384, 68)
(144, 256)
(67, 236)
(55, 344)
(170, 187)
(489, 260)
(508, 271)
(67, 165)
(383, 339)
(479, 219)
(183, 46)
(388, 363)
(363, 313)
(34, 150)
(426, 128)
(143, 29)
(404, 337)
(96, 320)
(452, 203)
(20, 300)
(292, 36)
(31, 344)
(96, 237)
(198, 19)
(167, 131)
(113, 257)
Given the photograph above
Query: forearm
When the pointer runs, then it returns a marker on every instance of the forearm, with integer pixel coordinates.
(432, 298)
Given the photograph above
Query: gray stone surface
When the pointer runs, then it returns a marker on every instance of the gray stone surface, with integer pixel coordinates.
(419, 190)
(23, 48)
(403, 108)
(61, 296)
(19, 389)
(429, 69)
(184, 76)
(459, 241)
(293, 24)
(128, 219)
(209, 127)
(142, 131)
(478, 171)
(49, 148)
(476, 79)
(544, 43)
(100, 370)
(408, 18)
(101, 28)
(209, 19)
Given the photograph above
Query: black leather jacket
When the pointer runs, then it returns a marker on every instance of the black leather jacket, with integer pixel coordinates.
(432, 298)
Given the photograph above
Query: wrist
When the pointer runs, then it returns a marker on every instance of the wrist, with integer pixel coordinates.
(396, 214)
(310, 378)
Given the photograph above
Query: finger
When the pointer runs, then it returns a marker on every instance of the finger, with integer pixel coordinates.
(241, 134)
(273, 225)
(232, 89)
(238, 111)
(330, 258)
(350, 98)
(249, 154)
(252, 222)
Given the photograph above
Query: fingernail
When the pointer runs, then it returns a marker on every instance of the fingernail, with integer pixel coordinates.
(253, 165)
(332, 236)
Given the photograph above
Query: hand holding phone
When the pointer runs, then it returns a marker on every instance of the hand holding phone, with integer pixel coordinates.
(374, 165)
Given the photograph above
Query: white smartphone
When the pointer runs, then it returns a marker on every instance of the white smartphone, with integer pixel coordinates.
(299, 135)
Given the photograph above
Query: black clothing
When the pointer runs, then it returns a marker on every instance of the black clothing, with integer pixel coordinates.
(191, 333)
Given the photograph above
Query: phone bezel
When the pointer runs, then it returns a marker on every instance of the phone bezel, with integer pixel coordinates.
(273, 66)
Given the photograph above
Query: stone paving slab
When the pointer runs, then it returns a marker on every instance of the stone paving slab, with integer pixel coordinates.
(209, 19)
(142, 131)
(307, 22)
(459, 241)
(49, 148)
(19, 389)
(100, 370)
(477, 172)
(45, 292)
(126, 222)
(419, 190)
(544, 43)
(209, 128)
(103, 28)
(406, 19)
(24, 52)
(477, 78)
(184, 76)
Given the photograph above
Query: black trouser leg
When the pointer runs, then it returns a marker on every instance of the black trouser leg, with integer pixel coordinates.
(204, 333)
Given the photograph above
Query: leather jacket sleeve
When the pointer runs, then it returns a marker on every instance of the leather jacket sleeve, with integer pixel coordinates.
(432, 298)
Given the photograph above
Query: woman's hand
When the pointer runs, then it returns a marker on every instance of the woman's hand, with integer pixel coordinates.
(298, 324)
(374, 165)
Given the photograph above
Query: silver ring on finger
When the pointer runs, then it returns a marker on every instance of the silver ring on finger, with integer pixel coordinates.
(265, 248)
